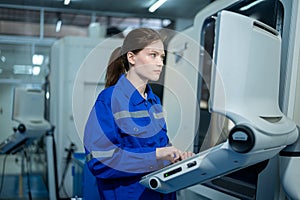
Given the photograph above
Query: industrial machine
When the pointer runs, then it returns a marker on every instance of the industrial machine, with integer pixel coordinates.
(32, 124)
(28, 112)
(243, 46)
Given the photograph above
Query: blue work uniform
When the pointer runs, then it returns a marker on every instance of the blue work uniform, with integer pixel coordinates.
(121, 136)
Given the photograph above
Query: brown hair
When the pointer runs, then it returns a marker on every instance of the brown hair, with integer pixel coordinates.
(135, 41)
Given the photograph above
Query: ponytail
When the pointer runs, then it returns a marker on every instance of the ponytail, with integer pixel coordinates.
(115, 68)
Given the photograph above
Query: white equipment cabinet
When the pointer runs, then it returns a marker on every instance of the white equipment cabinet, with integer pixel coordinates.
(77, 75)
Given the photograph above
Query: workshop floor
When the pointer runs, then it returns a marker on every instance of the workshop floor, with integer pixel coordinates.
(16, 187)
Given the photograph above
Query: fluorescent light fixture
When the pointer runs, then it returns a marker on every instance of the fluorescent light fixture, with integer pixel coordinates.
(58, 25)
(22, 69)
(254, 3)
(67, 2)
(3, 59)
(156, 5)
(166, 22)
(26, 70)
(36, 70)
(47, 95)
(37, 59)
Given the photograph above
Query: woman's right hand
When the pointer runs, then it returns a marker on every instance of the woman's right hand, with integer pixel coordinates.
(172, 154)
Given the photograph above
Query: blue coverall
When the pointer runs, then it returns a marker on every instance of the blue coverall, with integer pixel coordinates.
(121, 136)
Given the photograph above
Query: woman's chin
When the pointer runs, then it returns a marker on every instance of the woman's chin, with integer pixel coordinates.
(154, 78)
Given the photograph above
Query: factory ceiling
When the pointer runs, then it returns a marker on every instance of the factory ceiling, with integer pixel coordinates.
(171, 9)
(38, 18)
(14, 14)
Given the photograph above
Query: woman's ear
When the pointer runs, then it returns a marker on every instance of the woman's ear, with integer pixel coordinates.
(131, 58)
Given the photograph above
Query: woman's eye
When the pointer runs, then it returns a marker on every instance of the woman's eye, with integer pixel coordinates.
(153, 55)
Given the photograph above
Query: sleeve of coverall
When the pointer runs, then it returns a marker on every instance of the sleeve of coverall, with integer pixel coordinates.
(107, 157)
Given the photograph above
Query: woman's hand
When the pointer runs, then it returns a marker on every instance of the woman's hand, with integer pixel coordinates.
(186, 154)
(172, 154)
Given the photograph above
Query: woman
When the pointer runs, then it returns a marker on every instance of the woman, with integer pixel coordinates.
(125, 135)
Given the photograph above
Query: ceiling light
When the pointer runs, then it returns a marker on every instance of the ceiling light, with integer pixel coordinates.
(58, 25)
(47, 95)
(3, 59)
(37, 59)
(166, 22)
(67, 2)
(156, 5)
(22, 69)
(36, 70)
(250, 5)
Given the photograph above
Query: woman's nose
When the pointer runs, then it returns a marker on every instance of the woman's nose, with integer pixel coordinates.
(160, 62)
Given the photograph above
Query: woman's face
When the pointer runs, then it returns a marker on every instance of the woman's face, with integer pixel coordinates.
(148, 62)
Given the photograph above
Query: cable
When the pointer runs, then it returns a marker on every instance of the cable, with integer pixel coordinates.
(27, 173)
(70, 151)
(3, 171)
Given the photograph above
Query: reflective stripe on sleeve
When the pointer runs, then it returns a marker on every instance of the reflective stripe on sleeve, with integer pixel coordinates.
(158, 115)
(100, 154)
(127, 114)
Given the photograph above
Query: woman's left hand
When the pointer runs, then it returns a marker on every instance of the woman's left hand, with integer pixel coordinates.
(186, 154)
